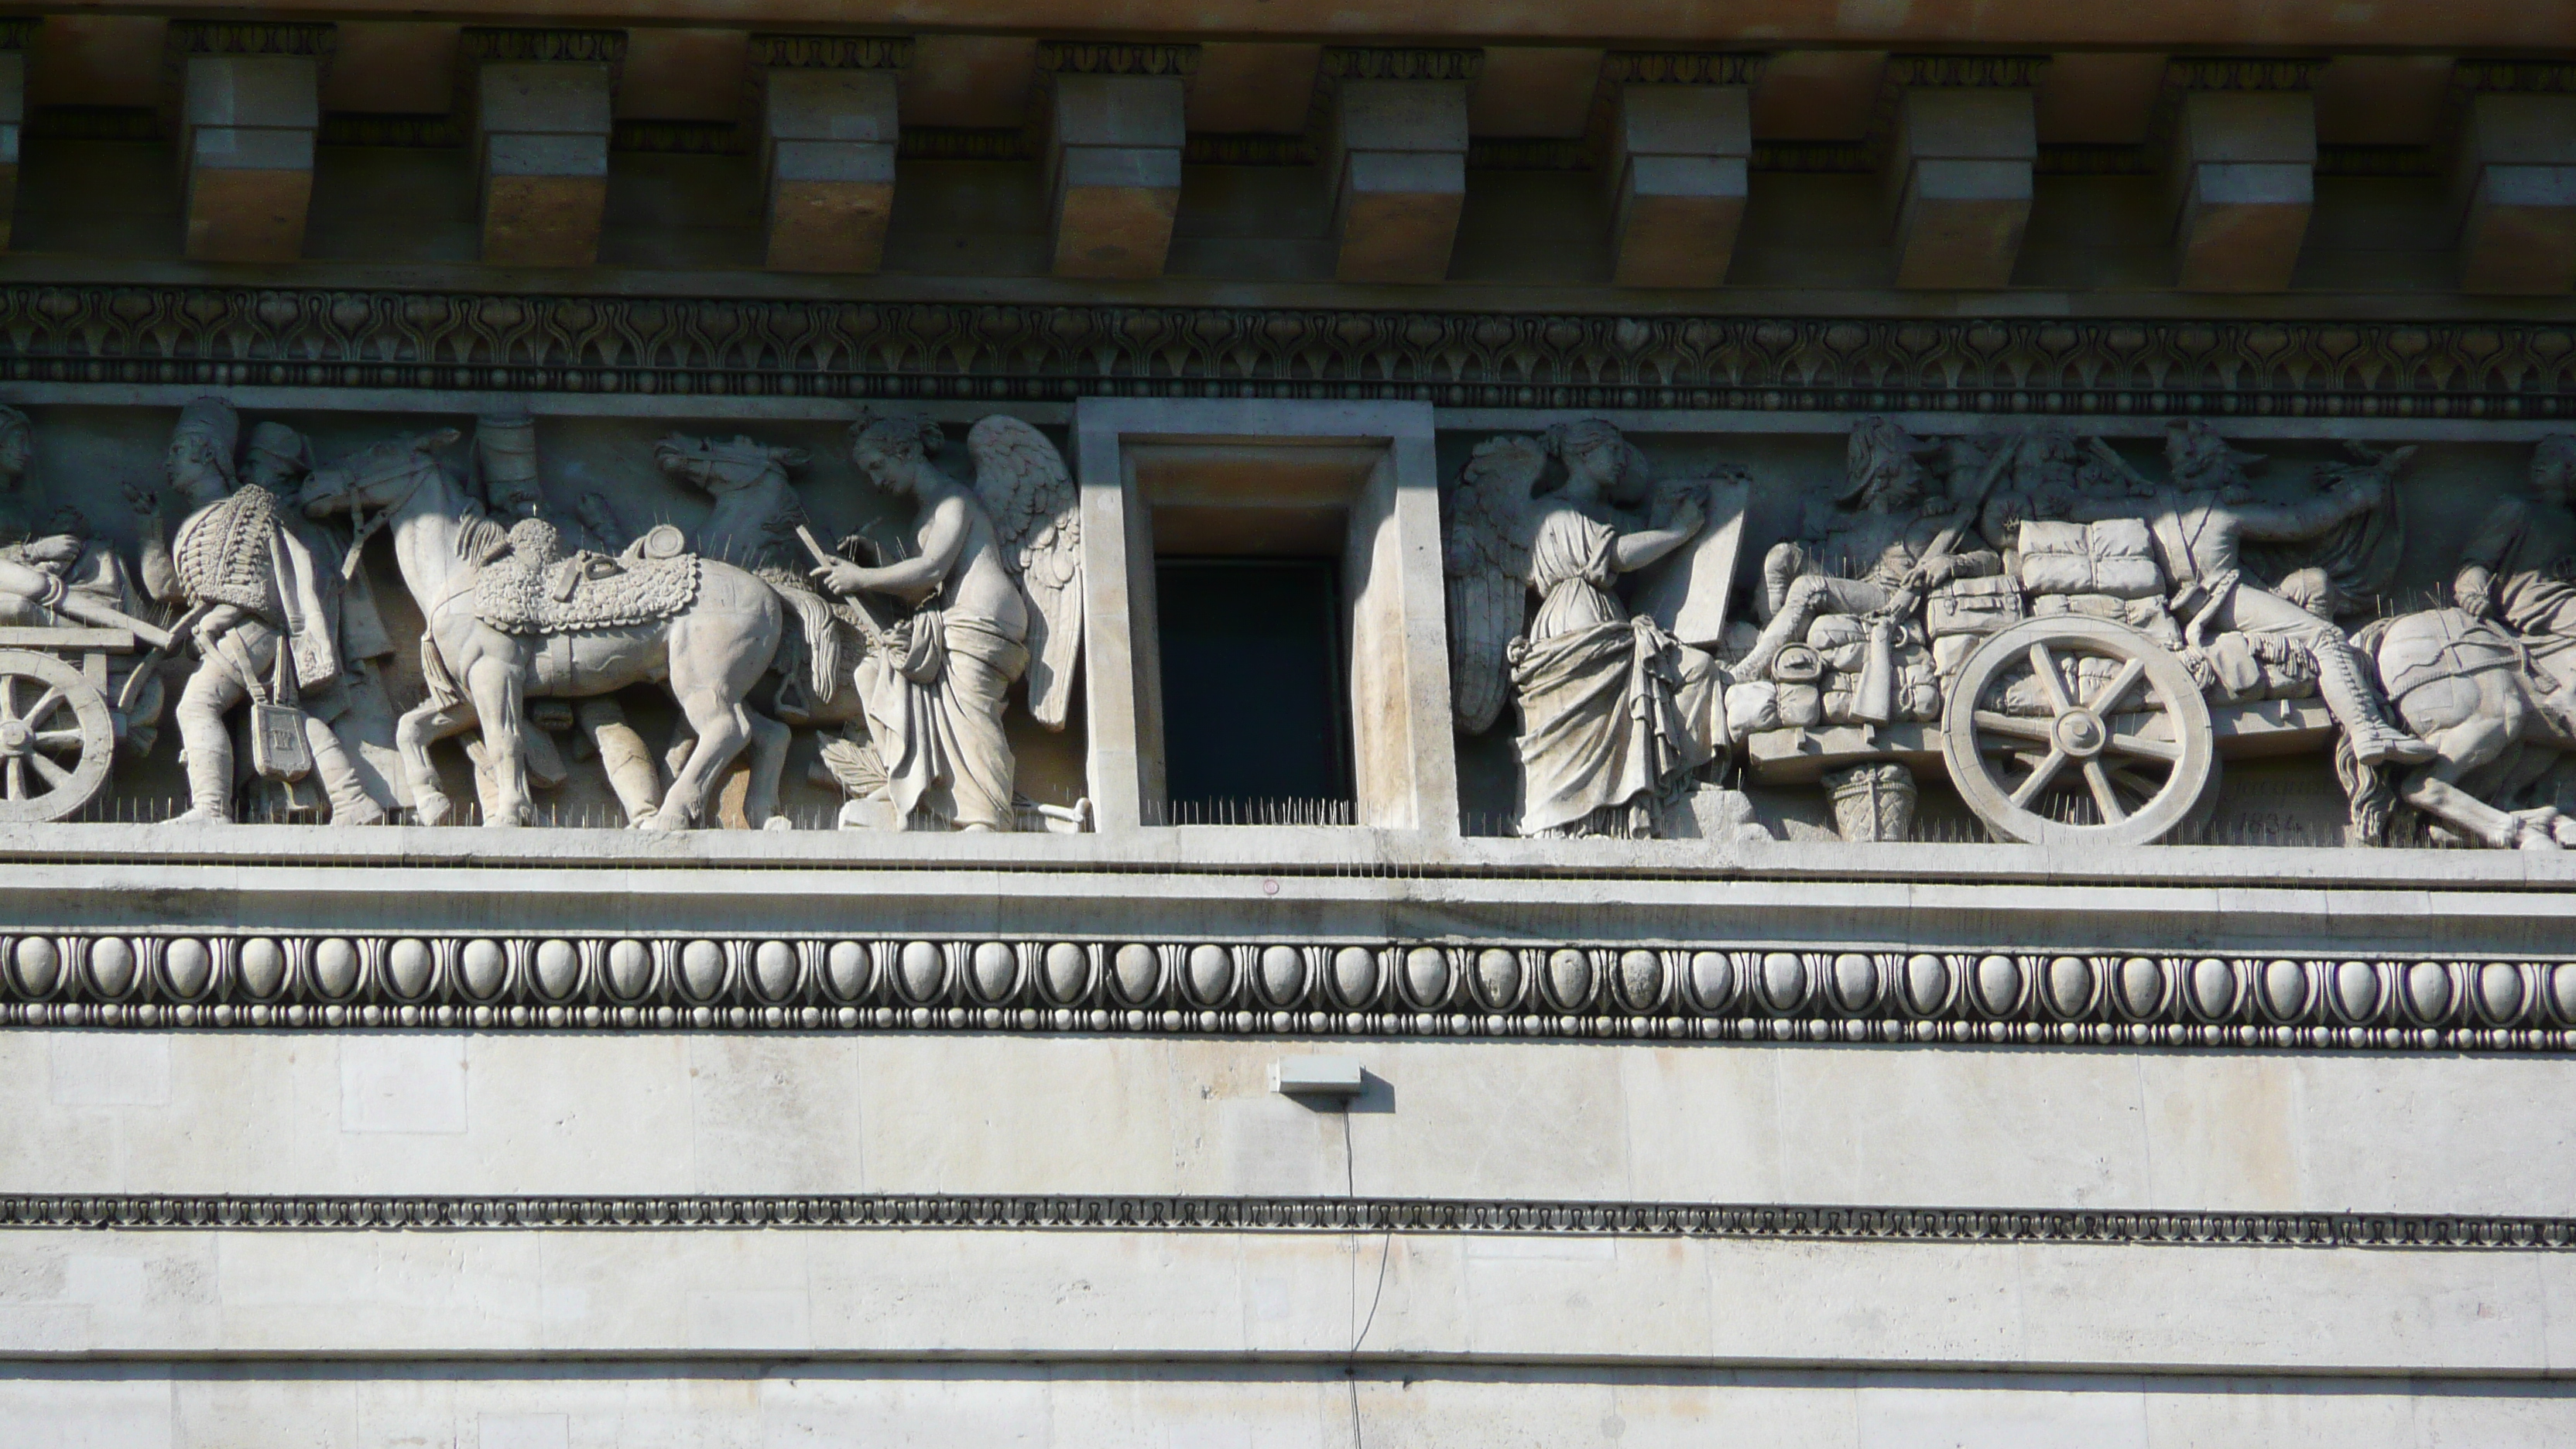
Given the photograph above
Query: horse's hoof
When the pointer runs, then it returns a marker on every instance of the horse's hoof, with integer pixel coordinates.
(432, 809)
(661, 820)
(778, 822)
(2538, 840)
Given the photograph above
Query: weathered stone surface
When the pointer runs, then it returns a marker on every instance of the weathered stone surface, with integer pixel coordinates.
(926, 1293)
(13, 117)
(1677, 173)
(247, 129)
(1113, 165)
(1959, 184)
(668, 1114)
(2515, 185)
(716, 1400)
(827, 156)
(2244, 182)
(542, 129)
(1397, 154)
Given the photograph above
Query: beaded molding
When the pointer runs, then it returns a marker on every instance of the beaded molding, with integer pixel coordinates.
(1303, 988)
(1093, 1212)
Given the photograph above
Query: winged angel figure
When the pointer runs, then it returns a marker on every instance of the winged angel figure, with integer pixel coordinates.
(992, 588)
(1615, 713)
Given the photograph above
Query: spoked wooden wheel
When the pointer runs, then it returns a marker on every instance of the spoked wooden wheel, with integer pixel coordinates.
(2077, 731)
(56, 737)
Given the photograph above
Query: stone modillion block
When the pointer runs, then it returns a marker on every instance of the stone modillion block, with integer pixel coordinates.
(2243, 174)
(1113, 170)
(2516, 179)
(1959, 171)
(541, 131)
(1396, 152)
(1679, 150)
(828, 135)
(247, 125)
(1258, 723)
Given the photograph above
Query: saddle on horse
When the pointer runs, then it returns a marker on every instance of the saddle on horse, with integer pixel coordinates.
(530, 585)
(2440, 644)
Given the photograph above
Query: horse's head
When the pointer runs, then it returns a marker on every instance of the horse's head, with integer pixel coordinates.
(721, 468)
(374, 478)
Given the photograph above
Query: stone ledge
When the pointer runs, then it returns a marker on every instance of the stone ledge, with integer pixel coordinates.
(1303, 852)
(1249, 1297)
(993, 1118)
(166, 1405)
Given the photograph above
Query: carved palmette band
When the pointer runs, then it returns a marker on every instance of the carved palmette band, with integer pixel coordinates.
(1004, 353)
(1619, 992)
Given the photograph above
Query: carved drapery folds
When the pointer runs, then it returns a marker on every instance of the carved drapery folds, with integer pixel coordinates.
(2071, 645)
(1939, 631)
(249, 597)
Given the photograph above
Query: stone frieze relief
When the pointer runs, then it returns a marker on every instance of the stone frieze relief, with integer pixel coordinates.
(2065, 640)
(247, 614)
(2068, 644)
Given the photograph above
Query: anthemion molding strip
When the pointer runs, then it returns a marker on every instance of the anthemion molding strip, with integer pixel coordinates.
(1109, 1212)
(1628, 992)
(1000, 353)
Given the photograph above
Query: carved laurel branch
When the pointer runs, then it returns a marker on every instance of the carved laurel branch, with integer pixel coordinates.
(1614, 992)
(1112, 1213)
(218, 337)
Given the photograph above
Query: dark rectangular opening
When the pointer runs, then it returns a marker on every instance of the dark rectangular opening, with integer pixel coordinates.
(1256, 720)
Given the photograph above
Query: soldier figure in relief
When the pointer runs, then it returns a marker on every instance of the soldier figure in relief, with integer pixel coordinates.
(265, 614)
(1877, 544)
(935, 681)
(70, 576)
(2520, 570)
(2201, 524)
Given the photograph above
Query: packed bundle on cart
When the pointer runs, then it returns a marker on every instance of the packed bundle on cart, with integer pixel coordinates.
(70, 677)
(2066, 698)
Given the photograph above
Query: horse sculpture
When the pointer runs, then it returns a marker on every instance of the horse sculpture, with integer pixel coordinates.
(754, 525)
(2460, 684)
(706, 628)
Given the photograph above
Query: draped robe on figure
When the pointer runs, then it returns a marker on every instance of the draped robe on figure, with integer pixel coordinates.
(935, 713)
(1612, 708)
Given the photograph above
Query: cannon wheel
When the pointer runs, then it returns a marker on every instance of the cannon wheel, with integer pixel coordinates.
(2114, 787)
(57, 737)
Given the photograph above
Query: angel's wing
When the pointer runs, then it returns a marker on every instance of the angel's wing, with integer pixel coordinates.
(1485, 556)
(1035, 509)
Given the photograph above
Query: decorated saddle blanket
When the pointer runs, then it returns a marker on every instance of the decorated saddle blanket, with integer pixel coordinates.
(533, 590)
(2442, 644)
